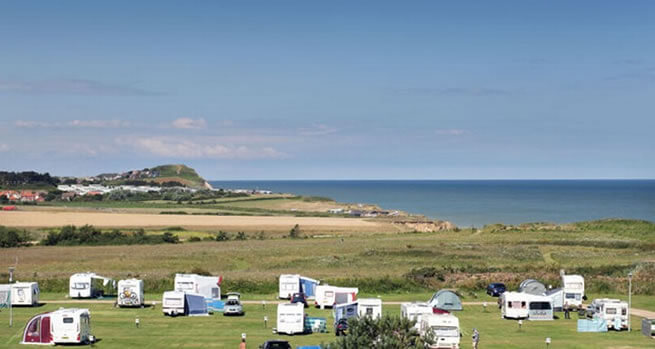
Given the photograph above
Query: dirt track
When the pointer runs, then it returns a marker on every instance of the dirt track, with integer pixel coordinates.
(57, 219)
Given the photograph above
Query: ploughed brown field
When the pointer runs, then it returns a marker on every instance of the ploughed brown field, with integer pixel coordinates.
(47, 219)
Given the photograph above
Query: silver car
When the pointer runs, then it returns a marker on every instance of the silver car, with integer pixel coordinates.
(233, 305)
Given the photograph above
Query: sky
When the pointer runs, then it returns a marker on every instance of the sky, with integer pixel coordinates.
(330, 89)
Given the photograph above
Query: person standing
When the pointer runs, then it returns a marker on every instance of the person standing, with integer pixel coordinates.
(566, 313)
(242, 345)
(476, 338)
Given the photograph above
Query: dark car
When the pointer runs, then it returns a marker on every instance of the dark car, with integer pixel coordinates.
(299, 297)
(275, 345)
(341, 327)
(496, 289)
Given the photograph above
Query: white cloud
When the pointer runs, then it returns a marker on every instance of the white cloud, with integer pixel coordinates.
(73, 124)
(203, 148)
(188, 123)
(451, 132)
(317, 130)
(3, 147)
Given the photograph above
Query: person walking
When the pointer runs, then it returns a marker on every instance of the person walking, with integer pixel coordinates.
(475, 338)
(566, 313)
(242, 345)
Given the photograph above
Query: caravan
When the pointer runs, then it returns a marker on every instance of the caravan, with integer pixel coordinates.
(415, 311)
(130, 293)
(444, 329)
(540, 308)
(206, 286)
(294, 283)
(341, 313)
(179, 303)
(64, 326)
(328, 296)
(514, 305)
(290, 318)
(370, 307)
(573, 287)
(25, 293)
(614, 311)
(90, 285)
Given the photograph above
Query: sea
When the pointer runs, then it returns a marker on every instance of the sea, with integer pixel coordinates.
(474, 203)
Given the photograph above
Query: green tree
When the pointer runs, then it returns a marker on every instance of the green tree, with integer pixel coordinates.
(295, 232)
(387, 332)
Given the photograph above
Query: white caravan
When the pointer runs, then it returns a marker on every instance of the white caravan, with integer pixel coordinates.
(130, 293)
(89, 285)
(328, 296)
(514, 305)
(415, 311)
(290, 318)
(540, 308)
(614, 311)
(172, 303)
(573, 287)
(71, 326)
(206, 286)
(369, 307)
(444, 329)
(289, 284)
(25, 293)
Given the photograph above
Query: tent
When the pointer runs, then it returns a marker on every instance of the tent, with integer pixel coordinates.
(195, 305)
(531, 286)
(37, 330)
(557, 297)
(592, 325)
(446, 300)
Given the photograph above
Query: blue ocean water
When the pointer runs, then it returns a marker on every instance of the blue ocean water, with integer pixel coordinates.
(478, 202)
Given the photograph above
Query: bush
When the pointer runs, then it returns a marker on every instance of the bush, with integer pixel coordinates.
(88, 235)
(10, 237)
(295, 232)
(222, 236)
(387, 332)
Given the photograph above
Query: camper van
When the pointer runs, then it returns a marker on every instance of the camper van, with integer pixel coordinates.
(540, 308)
(370, 307)
(294, 283)
(130, 293)
(206, 286)
(415, 311)
(290, 318)
(573, 287)
(71, 326)
(328, 296)
(614, 311)
(514, 305)
(25, 293)
(90, 285)
(65, 326)
(444, 329)
(172, 303)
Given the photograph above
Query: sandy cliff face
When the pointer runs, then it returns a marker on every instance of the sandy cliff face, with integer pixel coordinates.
(429, 226)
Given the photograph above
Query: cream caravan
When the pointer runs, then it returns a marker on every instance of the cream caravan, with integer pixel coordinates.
(290, 318)
(514, 305)
(415, 311)
(90, 285)
(25, 293)
(130, 293)
(206, 286)
(444, 329)
(328, 296)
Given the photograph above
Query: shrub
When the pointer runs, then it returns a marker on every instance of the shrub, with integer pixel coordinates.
(10, 237)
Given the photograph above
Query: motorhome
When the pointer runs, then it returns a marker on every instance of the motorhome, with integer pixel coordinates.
(176, 303)
(573, 287)
(90, 285)
(130, 293)
(64, 326)
(294, 283)
(206, 286)
(71, 326)
(290, 318)
(540, 308)
(328, 296)
(514, 305)
(444, 329)
(25, 294)
(370, 307)
(614, 311)
(415, 311)
(341, 313)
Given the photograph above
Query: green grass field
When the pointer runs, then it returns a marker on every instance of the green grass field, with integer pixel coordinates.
(115, 329)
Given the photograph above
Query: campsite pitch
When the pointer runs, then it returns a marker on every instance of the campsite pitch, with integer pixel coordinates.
(115, 328)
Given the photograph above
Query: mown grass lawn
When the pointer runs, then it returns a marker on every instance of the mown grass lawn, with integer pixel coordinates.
(115, 329)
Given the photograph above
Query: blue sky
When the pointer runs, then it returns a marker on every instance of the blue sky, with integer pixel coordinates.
(330, 90)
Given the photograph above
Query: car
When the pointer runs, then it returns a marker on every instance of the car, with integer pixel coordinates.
(276, 344)
(233, 305)
(341, 327)
(299, 297)
(496, 289)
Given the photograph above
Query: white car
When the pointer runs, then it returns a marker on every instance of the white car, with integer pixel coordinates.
(233, 305)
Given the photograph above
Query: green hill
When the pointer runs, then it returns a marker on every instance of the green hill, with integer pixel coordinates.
(178, 173)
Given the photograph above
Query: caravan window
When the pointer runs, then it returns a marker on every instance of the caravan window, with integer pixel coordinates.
(33, 328)
(173, 302)
(184, 286)
(369, 311)
(80, 285)
(540, 306)
(445, 331)
(610, 311)
(329, 294)
(68, 320)
(289, 286)
(624, 311)
(215, 292)
(575, 296)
